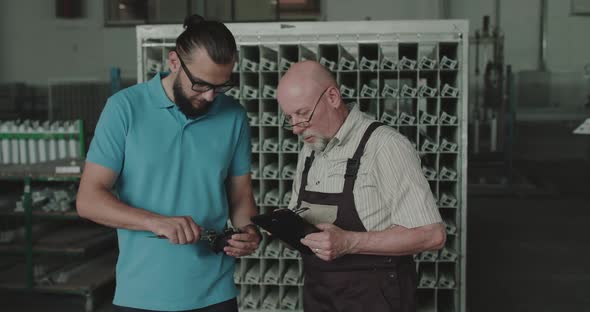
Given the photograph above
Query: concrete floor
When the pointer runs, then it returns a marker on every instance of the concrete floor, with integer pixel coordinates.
(530, 251)
(527, 251)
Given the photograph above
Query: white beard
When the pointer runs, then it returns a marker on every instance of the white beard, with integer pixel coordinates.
(320, 141)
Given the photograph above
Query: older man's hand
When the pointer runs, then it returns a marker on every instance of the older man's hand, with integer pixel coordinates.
(331, 243)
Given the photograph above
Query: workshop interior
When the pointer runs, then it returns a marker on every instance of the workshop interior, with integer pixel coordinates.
(494, 96)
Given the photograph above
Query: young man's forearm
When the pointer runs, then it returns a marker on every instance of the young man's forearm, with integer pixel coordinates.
(101, 206)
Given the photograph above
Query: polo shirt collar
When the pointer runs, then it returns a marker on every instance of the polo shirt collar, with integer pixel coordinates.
(156, 89)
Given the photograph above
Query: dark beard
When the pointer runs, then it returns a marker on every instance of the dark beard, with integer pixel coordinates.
(184, 104)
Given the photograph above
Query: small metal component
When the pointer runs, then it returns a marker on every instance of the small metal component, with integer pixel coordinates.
(429, 255)
(290, 145)
(271, 300)
(255, 170)
(252, 297)
(446, 146)
(255, 144)
(270, 144)
(273, 249)
(271, 276)
(447, 174)
(427, 279)
(427, 63)
(449, 91)
(406, 119)
(346, 64)
(290, 299)
(269, 92)
(367, 91)
(272, 197)
(271, 171)
(290, 253)
(447, 63)
(270, 118)
(288, 171)
(447, 200)
(389, 91)
(367, 64)
(389, 118)
(253, 119)
(248, 65)
(427, 119)
(285, 64)
(217, 241)
(388, 64)
(446, 119)
(249, 92)
(153, 66)
(331, 65)
(428, 145)
(407, 64)
(346, 91)
(448, 254)
(267, 65)
(446, 280)
(426, 91)
(408, 91)
(429, 173)
(292, 275)
(286, 198)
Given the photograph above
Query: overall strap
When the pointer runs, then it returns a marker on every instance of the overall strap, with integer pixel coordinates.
(308, 161)
(353, 164)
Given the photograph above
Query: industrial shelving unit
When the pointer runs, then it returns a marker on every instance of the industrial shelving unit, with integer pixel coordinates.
(411, 75)
(62, 254)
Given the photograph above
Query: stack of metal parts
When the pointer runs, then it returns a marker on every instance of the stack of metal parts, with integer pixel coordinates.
(51, 200)
(31, 141)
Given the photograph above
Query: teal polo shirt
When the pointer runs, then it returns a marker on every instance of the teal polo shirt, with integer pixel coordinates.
(172, 166)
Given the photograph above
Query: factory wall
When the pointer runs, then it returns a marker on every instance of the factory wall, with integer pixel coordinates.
(56, 48)
(36, 46)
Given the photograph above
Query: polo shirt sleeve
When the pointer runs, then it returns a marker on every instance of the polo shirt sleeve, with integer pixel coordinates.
(241, 161)
(403, 186)
(108, 144)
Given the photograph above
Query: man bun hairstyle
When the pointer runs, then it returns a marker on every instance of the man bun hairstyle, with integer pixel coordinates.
(212, 36)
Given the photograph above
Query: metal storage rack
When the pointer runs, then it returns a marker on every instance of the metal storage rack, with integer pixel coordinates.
(57, 252)
(411, 75)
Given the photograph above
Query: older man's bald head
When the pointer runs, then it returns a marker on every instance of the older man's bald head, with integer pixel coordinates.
(304, 79)
(309, 97)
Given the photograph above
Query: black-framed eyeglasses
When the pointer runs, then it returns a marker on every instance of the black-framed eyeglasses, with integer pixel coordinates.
(199, 85)
(288, 120)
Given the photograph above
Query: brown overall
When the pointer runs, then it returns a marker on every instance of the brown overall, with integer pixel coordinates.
(354, 283)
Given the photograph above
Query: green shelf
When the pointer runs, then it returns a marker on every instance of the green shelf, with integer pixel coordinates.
(39, 136)
(76, 240)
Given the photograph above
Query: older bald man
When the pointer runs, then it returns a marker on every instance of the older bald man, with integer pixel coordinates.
(361, 183)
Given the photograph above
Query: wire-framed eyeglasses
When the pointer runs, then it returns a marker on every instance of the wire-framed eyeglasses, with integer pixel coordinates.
(288, 120)
(199, 85)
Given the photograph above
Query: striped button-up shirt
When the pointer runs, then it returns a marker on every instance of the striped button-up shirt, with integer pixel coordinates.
(390, 188)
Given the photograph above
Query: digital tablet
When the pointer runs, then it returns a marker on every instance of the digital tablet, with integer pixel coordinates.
(287, 226)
